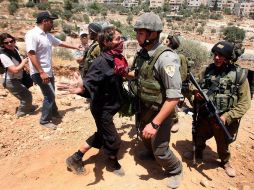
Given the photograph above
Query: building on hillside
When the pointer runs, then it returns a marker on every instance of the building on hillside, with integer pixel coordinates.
(244, 9)
(130, 3)
(175, 5)
(156, 3)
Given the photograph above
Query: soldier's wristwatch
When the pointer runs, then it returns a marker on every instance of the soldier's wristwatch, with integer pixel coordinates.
(155, 126)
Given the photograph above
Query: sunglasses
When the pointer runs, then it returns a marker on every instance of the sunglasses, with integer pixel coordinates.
(11, 41)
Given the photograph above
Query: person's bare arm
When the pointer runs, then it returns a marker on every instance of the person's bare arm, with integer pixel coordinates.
(15, 69)
(69, 46)
(168, 106)
(44, 76)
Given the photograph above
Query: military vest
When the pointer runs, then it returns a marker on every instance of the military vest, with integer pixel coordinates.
(222, 88)
(91, 55)
(149, 89)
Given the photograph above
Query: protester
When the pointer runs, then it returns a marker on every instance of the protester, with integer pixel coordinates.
(103, 84)
(14, 65)
(39, 44)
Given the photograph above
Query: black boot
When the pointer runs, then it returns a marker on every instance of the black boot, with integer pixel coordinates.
(74, 164)
(114, 166)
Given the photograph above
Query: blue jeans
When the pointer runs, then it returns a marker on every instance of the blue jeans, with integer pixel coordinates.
(17, 89)
(49, 107)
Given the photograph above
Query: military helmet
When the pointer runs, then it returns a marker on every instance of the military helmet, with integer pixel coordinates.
(224, 48)
(95, 27)
(149, 21)
(174, 41)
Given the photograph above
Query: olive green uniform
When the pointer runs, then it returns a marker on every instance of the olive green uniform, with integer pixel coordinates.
(158, 83)
(92, 52)
(231, 98)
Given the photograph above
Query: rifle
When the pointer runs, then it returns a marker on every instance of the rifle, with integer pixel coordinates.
(211, 108)
(137, 102)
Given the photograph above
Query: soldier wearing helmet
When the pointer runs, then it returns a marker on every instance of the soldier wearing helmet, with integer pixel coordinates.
(226, 86)
(157, 88)
(93, 50)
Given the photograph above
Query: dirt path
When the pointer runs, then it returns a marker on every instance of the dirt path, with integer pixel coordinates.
(32, 157)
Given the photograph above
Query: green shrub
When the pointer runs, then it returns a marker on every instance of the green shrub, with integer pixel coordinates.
(213, 30)
(200, 30)
(67, 14)
(61, 36)
(30, 4)
(63, 53)
(67, 29)
(13, 7)
(86, 18)
(43, 6)
(196, 52)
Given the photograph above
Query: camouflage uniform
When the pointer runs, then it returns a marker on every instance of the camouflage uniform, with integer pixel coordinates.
(92, 52)
(232, 99)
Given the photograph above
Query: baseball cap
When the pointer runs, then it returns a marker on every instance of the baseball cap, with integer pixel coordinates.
(44, 15)
(83, 33)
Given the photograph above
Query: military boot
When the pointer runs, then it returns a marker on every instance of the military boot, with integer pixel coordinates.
(230, 171)
(74, 164)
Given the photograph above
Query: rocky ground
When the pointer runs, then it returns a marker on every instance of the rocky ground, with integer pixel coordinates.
(32, 157)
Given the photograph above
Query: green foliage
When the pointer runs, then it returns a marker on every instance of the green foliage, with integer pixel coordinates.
(63, 53)
(234, 34)
(200, 30)
(213, 30)
(35, 14)
(30, 4)
(67, 29)
(86, 18)
(43, 6)
(94, 6)
(56, 12)
(227, 11)
(252, 16)
(67, 5)
(13, 7)
(4, 24)
(61, 36)
(129, 18)
(196, 52)
(216, 16)
(67, 14)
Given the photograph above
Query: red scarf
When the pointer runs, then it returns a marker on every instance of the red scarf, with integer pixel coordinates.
(121, 64)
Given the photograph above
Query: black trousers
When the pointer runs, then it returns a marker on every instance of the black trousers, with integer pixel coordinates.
(106, 136)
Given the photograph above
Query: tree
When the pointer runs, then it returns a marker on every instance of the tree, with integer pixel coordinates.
(234, 34)
(129, 18)
(200, 30)
(13, 7)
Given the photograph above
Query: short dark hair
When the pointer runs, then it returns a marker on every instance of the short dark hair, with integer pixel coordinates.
(45, 16)
(4, 36)
(106, 35)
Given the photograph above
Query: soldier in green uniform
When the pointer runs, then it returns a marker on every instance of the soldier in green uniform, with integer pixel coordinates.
(93, 50)
(173, 42)
(225, 84)
(157, 85)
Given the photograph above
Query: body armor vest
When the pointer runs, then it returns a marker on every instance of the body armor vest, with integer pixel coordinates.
(222, 87)
(149, 89)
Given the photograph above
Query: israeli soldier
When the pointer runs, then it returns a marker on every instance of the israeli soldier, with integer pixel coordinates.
(173, 42)
(225, 84)
(158, 86)
(93, 50)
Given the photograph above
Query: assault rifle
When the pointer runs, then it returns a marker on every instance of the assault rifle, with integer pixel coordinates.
(137, 102)
(211, 108)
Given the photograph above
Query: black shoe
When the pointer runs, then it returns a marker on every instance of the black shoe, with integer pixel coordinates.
(114, 166)
(57, 115)
(75, 165)
(146, 155)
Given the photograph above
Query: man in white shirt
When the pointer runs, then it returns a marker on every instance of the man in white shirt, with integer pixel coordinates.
(39, 44)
